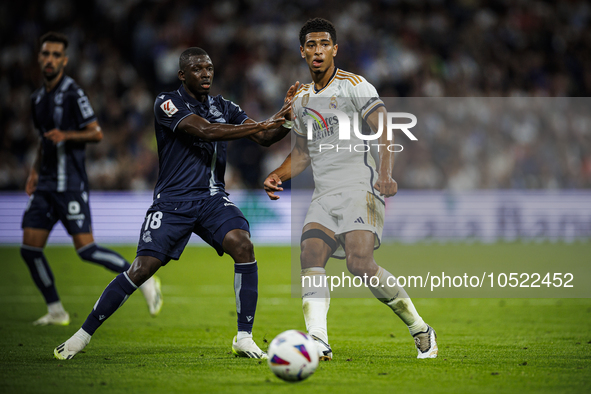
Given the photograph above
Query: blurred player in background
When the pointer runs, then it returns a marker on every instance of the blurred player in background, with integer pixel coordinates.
(57, 182)
(346, 215)
(192, 128)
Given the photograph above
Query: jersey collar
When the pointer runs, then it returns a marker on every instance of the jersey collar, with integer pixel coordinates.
(57, 85)
(192, 101)
(329, 82)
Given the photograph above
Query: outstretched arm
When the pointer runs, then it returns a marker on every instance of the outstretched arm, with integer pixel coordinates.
(297, 161)
(269, 137)
(90, 133)
(385, 184)
(199, 127)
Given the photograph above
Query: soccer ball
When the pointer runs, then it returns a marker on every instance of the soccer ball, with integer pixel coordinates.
(293, 356)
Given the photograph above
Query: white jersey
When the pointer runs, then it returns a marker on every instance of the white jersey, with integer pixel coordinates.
(337, 165)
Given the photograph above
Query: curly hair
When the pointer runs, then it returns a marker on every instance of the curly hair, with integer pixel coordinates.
(318, 25)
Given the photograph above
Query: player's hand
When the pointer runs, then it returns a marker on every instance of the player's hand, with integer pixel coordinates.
(285, 111)
(272, 185)
(55, 136)
(271, 124)
(289, 98)
(292, 91)
(31, 182)
(386, 186)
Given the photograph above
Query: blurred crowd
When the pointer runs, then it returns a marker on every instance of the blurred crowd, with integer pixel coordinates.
(124, 52)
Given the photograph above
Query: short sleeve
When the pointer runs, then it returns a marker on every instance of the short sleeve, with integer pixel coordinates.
(365, 98)
(235, 114)
(169, 110)
(80, 107)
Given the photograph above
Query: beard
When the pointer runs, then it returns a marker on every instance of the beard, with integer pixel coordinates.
(50, 76)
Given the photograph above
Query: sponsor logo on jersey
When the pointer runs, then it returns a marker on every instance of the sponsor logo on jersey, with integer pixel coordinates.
(321, 127)
(169, 108)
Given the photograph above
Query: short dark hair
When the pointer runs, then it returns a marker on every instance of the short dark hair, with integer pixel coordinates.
(318, 25)
(188, 54)
(53, 36)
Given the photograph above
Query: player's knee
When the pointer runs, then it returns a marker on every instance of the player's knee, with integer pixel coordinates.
(238, 245)
(359, 264)
(310, 256)
(142, 269)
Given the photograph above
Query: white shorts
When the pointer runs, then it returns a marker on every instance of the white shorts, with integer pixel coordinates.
(348, 211)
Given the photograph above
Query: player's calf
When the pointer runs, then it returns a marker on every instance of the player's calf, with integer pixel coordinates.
(43, 278)
(113, 297)
(103, 256)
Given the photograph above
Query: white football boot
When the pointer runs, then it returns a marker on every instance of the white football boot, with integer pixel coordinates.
(246, 347)
(72, 346)
(151, 289)
(426, 343)
(58, 319)
(324, 350)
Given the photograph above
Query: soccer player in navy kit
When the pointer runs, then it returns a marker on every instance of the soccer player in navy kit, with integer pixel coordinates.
(192, 128)
(57, 182)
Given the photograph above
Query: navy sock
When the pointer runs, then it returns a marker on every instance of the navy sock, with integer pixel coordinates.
(105, 257)
(112, 298)
(40, 271)
(246, 281)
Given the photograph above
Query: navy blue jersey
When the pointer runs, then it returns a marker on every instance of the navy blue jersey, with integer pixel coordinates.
(190, 168)
(66, 108)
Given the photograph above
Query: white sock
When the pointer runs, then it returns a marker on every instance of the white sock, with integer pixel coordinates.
(56, 308)
(78, 341)
(83, 336)
(243, 334)
(315, 301)
(397, 299)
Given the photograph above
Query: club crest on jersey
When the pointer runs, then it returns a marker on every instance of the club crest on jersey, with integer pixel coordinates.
(169, 108)
(305, 99)
(333, 102)
(214, 111)
(147, 236)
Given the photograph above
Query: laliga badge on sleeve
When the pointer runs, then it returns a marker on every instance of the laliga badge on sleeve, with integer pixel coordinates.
(169, 108)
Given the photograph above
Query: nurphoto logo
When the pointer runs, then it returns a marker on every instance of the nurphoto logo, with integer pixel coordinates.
(321, 123)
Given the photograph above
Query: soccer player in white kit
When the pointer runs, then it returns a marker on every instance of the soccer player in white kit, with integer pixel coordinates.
(346, 215)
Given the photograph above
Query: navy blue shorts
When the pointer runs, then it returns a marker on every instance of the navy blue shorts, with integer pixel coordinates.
(168, 225)
(45, 208)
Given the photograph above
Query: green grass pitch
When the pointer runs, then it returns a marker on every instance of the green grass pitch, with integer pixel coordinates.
(485, 345)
